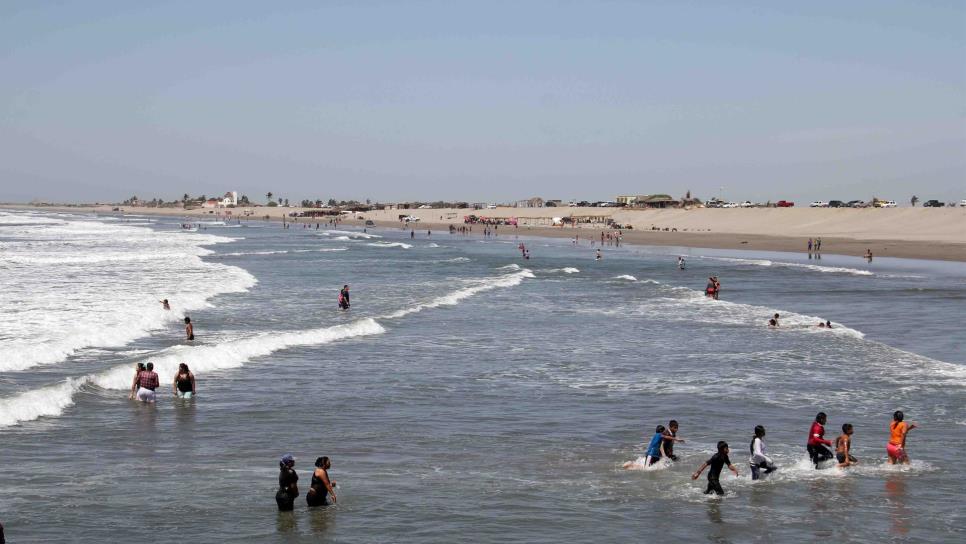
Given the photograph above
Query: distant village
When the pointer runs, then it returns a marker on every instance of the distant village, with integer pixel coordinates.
(231, 199)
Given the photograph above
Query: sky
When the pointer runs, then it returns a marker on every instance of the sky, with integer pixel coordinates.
(483, 101)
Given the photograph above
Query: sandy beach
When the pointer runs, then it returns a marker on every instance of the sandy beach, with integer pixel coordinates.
(918, 233)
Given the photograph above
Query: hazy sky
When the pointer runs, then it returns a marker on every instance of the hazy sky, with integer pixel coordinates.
(483, 101)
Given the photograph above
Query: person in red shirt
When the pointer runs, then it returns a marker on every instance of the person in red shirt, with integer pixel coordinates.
(817, 450)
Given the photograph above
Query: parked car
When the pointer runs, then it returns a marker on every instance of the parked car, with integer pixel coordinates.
(885, 204)
(818, 204)
(784, 204)
(411, 218)
(370, 223)
(962, 203)
(747, 204)
(855, 204)
(933, 204)
(729, 205)
(836, 204)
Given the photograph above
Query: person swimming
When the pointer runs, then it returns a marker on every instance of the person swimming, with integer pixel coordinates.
(759, 459)
(772, 323)
(599, 256)
(165, 305)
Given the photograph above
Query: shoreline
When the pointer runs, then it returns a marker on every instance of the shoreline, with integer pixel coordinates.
(856, 246)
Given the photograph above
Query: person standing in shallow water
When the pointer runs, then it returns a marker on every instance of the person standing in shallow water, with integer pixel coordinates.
(816, 446)
(184, 382)
(717, 462)
(344, 297)
(147, 382)
(138, 369)
(189, 329)
(896, 448)
(288, 488)
(321, 485)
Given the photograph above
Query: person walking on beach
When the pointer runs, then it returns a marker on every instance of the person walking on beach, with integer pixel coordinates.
(816, 446)
(184, 382)
(759, 459)
(843, 447)
(717, 462)
(896, 448)
(818, 245)
(138, 369)
(147, 383)
(809, 245)
(189, 329)
(288, 488)
(321, 485)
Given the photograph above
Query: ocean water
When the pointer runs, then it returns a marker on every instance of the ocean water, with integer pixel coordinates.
(469, 395)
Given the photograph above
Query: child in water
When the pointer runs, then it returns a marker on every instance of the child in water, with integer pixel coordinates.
(669, 438)
(717, 462)
(843, 447)
(896, 448)
(655, 449)
(759, 459)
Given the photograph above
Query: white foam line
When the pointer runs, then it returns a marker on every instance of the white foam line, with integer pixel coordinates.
(389, 244)
(451, 299)
(814, 267)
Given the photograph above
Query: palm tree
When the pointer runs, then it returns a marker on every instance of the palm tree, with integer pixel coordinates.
(268, 195)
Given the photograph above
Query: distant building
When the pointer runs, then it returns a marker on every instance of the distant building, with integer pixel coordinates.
(647, 201)
(211, 203)
(230, 199)
(535, 202)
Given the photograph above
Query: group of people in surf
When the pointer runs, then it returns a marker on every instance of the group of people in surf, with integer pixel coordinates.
(189, 328)
(146, 382)
(661, 445)
(775, 322)
(320, 490)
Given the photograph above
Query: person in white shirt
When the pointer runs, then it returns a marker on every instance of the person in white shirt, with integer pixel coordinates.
(759, 459)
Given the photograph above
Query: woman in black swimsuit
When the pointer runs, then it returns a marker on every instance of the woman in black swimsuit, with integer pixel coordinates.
(321, 486)
(288, 487)
(184, 382)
